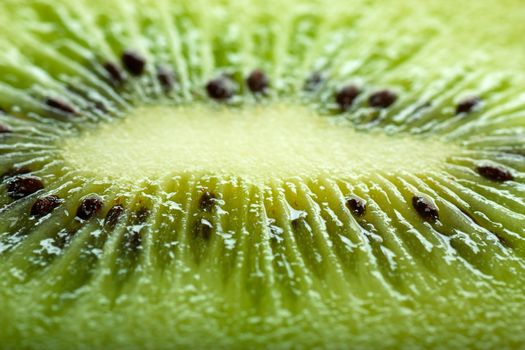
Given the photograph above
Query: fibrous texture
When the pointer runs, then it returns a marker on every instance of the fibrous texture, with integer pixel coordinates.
(262, 174)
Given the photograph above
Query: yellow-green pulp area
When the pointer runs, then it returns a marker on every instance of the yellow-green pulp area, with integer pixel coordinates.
(258, 143)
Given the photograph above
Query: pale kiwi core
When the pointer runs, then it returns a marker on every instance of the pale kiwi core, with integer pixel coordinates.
(259, 143)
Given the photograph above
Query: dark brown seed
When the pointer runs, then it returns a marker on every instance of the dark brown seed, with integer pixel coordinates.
(64, 238)
(221, 88)
(425, 208)
(114, 73)
(142, 215)
(134, 240)
(100, 106)
(313, 82)
(134, 237)
(382, 99)
(207, 201)
(258, 81)
(23, 186)
(134, 62)
(45, 205)
(468, 105)
(346, 96)
(495, 173)
(60, 105)
(204, 229)
(4, 129)
(296, 223)
(113, 215)
(356, 205)
(89, 207)
(166, 78)
(14, 172)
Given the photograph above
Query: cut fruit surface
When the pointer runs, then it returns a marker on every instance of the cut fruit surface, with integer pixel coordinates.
(203, 174)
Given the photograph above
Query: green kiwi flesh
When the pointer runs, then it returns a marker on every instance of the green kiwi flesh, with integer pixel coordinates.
(262, 174)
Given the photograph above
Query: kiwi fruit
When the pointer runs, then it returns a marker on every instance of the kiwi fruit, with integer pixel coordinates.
(262, 174)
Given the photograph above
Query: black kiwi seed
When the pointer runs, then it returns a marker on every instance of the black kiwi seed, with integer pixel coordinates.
(142, 215)
(425, 208)
(166, 78)
(134, 238)
(313, 82)
(468, 105)
(356, 205)
(114, 73)
(257, 81)
(89, 207)
(495, 173)
(134, 62)
(204, 229)
(45, 205)
(60, 105)
(296, 223)
(221, 88)
(14, 172)
(4, 129)
(207, 201)
(382, 99)
(23, 186)
(100, 106)
(346, 96)
(113, 215)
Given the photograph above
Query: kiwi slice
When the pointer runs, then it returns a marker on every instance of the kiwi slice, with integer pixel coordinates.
(262, 174)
